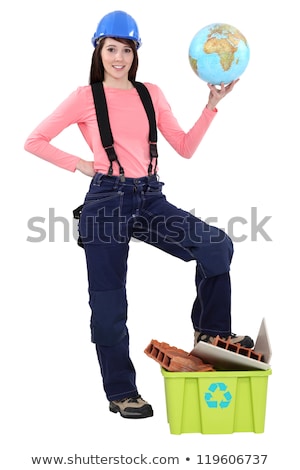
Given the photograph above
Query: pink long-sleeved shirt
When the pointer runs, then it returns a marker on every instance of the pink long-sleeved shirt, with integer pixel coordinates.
(130, 129)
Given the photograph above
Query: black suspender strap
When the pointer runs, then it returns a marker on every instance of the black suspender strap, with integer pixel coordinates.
(148, 105)
(105, 129)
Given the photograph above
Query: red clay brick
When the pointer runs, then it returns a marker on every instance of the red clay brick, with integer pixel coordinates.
(248, 352)
(174, 359)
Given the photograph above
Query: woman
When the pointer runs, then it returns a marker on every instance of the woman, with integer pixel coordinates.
(125, 200)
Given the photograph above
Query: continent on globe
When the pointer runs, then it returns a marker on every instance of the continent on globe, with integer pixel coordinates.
(219, 53)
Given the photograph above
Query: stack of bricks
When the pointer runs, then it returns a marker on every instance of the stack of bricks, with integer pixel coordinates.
(237, 348)
(174, 359)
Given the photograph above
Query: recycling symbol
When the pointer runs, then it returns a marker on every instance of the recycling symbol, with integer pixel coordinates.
(218, 395)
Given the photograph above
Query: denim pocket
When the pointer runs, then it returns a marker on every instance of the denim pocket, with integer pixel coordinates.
(101, 217)
(102, 197)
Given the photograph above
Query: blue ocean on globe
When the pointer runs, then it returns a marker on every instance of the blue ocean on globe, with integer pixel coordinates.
(219, 53)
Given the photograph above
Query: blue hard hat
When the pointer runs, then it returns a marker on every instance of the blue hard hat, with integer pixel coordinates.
(117, 24)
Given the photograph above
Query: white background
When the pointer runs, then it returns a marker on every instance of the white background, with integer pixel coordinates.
(51, 393)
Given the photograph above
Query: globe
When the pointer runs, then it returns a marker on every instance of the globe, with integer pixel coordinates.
(219, 53)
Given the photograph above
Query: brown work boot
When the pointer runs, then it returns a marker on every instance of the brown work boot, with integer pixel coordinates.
(132, 408)
(244, 341)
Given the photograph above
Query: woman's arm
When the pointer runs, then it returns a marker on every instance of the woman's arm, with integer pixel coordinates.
(186, 143)
(67, 113)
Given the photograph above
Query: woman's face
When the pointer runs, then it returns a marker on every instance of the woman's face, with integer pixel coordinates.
(117, 59)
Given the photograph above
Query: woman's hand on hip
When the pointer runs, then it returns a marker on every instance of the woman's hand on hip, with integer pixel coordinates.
(87, 168)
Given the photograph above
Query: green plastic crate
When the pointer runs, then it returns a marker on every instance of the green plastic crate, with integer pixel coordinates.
(219, 402)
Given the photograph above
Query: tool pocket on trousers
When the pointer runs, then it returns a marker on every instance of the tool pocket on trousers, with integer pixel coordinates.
(76, 216)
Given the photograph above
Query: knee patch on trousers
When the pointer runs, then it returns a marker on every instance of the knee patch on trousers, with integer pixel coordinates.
(109, 316)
